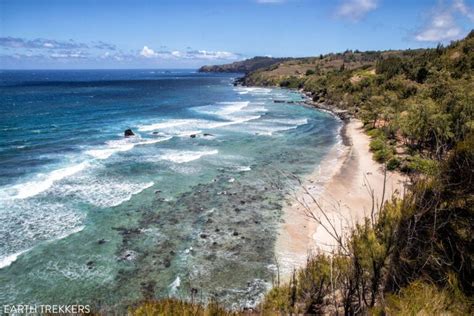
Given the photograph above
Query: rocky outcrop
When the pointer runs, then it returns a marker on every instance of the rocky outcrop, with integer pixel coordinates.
(128, 133)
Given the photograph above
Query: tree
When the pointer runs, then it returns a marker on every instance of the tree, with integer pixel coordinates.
(371, 110)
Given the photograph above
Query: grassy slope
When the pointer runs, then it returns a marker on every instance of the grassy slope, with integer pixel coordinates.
(244, 66)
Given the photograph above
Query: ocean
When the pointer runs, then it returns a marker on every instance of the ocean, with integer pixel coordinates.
(191, 203)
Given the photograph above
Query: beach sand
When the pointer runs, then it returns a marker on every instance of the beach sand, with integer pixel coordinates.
(341, 186)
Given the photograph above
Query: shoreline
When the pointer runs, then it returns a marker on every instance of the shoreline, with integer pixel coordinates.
(342, 191)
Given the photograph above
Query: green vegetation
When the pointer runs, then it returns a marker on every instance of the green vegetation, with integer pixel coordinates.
(414, 255)
(422, 100)
(245, 66)
(425, 299)
(176, 307)
(411, 257)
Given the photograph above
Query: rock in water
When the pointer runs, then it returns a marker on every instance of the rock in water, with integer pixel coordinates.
(128, 133)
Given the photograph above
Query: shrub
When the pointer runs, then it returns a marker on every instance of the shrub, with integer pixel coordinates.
(421, 165)
(277, 300)
(177, 307)
(393, 163)
(381, 149)
(421, 298)
(374, 132)
(377, 144)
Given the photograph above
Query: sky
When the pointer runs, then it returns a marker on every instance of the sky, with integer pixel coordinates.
(120, 34)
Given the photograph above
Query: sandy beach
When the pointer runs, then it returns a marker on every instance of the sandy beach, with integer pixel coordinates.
(343, 191)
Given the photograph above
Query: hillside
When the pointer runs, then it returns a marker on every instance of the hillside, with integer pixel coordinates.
(244, 66)
(389, 91)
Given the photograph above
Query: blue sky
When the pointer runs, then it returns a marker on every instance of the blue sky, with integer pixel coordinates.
(191, 33)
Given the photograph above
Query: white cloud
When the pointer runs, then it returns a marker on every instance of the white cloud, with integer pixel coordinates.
(177, 54)
(442, 24)
(442, 27)
(355, 10)
(147, 52)
(69, 55)
(203, 54)
(190, 54)
(461, 7)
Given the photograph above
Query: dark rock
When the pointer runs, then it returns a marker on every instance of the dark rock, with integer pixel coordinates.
(211, 257)
(236, 234)
(204, 236)
(128, 133)
(128, 255)
(101, 241)
(167, 263)
(193, 135)
(90, 265)
(148, 289)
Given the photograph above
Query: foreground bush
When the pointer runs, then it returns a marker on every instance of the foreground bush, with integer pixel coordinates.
(421, 298)
(167, 307)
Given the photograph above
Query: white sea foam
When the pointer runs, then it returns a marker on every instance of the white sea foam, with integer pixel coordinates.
(270, 126)
(103, 192)
(153, 141)
(178, 156)
(164, 125)
(69, 232)
(9, 259)
(225, 108)
(298, 122)
(226, 113)
(70, 270)
(188, 133)
(175, 285)
(28, 222)
(121, 145)
(43, 182)
(107, 152)
(243, 168)
(236, 121)
(231, 110)
(177, 127)
(252, 90)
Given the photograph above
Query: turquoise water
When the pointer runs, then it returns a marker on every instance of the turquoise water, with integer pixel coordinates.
(192, 201)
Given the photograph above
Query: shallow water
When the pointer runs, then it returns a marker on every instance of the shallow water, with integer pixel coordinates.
(88, 216)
